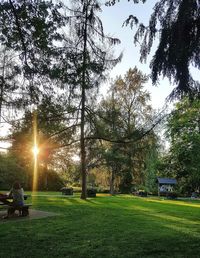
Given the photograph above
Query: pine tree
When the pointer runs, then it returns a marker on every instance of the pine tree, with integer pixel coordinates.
(92, 60)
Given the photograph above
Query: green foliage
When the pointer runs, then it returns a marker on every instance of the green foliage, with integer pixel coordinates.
(49, 180)
(31, 28)
(184, 131)
(176, 23)
(123, 117)
(71, 174)
(91, 192)
(151, 169)
(112, 2)
(11, 171)
(30, 35)
(9, 80)
(49, 59)
(179, 44)
(91, 60)
(50, 134)
(90, 56)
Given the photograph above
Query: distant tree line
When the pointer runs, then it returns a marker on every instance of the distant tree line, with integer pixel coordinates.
(117, 143)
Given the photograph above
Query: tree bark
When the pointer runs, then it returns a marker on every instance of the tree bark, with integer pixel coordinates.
(2, 84)
(112, 183)
(83, 152)
(83, 99)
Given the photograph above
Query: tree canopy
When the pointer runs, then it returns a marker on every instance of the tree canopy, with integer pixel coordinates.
(184, 153)
(177, 25)
(55, 56)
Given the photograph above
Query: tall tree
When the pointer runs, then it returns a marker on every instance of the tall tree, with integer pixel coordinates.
(110, 125)
(91, 60)
(177, 23)
(184, 154)
(124, 117)
(30, 32)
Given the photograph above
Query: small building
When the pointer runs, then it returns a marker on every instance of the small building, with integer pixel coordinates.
(165, 185)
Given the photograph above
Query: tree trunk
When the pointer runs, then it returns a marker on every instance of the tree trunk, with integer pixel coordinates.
(112, 183)
(46, 176)
(83, 152)
(83, 99)
(2, 84)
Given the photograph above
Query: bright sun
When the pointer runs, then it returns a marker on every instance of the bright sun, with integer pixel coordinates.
(35, 151)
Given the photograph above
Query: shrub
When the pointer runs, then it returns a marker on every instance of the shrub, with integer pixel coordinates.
(67, 191)
(171, 195)
(91, 192)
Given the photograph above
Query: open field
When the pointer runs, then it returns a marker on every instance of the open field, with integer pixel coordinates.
(105, 227)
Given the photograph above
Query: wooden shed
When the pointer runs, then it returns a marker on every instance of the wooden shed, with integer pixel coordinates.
(165, 185)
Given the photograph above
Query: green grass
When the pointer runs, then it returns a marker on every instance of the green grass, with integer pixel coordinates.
(105, 227)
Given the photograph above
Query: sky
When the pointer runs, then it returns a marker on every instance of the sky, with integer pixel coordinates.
(112, 19)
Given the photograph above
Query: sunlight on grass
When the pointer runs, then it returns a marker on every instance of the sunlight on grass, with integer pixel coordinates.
(174, 218)
(164, 201)
(162, 213)
(103, 195)
(141, 208)
(106, 226)
(68, 201)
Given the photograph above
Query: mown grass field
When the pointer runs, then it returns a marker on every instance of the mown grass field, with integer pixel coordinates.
(105, 227)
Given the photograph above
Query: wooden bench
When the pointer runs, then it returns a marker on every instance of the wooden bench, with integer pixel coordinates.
(23, 210)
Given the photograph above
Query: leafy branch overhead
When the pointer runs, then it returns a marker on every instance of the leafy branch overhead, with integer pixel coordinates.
(177, 25)
(31, 27)
(113, 2)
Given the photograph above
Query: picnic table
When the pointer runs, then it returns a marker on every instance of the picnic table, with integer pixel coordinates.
(6, 203)
(5, 197)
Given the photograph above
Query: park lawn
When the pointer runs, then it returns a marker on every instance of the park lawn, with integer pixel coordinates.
(105, 227)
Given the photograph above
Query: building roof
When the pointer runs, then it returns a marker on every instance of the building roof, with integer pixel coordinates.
(166, 181)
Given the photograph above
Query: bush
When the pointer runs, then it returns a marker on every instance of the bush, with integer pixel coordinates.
(67, 191)
(142, 193)
(170, 195)
(91, 192)
(194, 195)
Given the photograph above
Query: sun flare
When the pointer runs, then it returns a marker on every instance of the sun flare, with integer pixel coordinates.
(35, 151)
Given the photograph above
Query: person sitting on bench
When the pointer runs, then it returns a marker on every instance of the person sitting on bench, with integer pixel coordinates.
(17, 194)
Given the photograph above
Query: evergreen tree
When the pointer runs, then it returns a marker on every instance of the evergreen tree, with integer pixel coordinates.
(91, 59)
(177, 24)
(30, 29)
